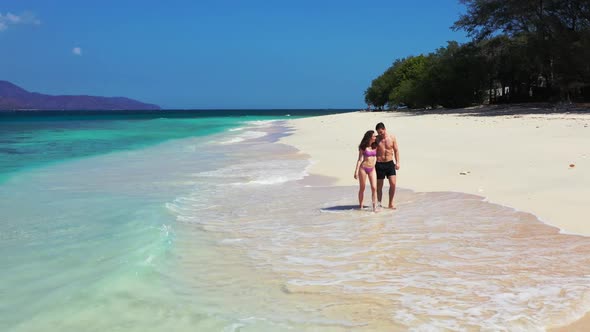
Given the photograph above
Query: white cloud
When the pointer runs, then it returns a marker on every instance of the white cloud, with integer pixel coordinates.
(77, 51)
(13, 19)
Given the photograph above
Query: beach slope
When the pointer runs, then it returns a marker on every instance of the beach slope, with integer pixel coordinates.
(537, 162)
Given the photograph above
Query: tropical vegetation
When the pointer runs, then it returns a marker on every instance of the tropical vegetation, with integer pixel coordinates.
(520, 51)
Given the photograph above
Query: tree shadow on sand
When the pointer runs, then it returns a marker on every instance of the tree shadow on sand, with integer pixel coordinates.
(508, 109)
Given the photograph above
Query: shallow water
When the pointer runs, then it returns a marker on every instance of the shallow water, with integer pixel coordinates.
(221, 234)
(34, 139)
(441, 261)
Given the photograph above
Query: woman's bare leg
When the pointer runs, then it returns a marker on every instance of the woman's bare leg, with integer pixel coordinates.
(362, 182)
(373, 182)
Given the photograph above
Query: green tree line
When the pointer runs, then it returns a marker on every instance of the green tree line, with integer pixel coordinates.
(525, 50)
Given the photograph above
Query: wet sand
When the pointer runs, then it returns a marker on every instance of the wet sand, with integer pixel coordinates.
(534, 161)
(538, 163)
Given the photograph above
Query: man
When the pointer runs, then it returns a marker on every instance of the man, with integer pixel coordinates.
(386, 165)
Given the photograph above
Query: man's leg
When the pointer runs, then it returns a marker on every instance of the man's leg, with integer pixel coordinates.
(379, 190)
(392, 180)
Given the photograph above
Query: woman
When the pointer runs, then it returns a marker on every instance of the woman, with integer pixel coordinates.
(365, 167)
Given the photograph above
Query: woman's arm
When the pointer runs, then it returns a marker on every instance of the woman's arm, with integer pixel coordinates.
(358, 164)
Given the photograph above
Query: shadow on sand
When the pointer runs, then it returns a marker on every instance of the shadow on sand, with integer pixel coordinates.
(508, 109)
(340, 208)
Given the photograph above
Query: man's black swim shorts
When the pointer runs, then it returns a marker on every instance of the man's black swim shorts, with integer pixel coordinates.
(385, 169)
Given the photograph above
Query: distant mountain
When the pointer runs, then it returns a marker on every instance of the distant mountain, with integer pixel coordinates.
(13, 97)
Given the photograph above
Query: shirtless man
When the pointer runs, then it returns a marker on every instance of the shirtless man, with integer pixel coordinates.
(386, 166)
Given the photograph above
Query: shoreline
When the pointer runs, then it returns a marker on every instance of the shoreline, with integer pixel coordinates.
(522, 161)
(331, 141)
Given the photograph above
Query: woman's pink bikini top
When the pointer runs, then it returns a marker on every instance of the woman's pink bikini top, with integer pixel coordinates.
(370, 153)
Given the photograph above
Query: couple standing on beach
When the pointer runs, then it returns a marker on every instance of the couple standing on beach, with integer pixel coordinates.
(376, 162)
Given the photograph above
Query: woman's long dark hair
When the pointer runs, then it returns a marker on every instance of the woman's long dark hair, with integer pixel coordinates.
(366, 140)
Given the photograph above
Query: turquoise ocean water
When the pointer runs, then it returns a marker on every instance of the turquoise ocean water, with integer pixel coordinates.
(36, 138)
(85, 231)
(205, 222)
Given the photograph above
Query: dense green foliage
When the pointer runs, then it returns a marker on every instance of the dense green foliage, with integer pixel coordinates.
(526, 50)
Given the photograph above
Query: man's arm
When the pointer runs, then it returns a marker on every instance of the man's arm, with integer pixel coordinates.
(395, 152)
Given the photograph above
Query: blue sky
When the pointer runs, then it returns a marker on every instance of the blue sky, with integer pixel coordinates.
(217, 54)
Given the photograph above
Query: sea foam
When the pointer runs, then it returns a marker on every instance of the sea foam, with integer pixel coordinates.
(440, 261)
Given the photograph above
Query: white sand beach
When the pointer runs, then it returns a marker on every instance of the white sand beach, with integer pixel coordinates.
(537, 162)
